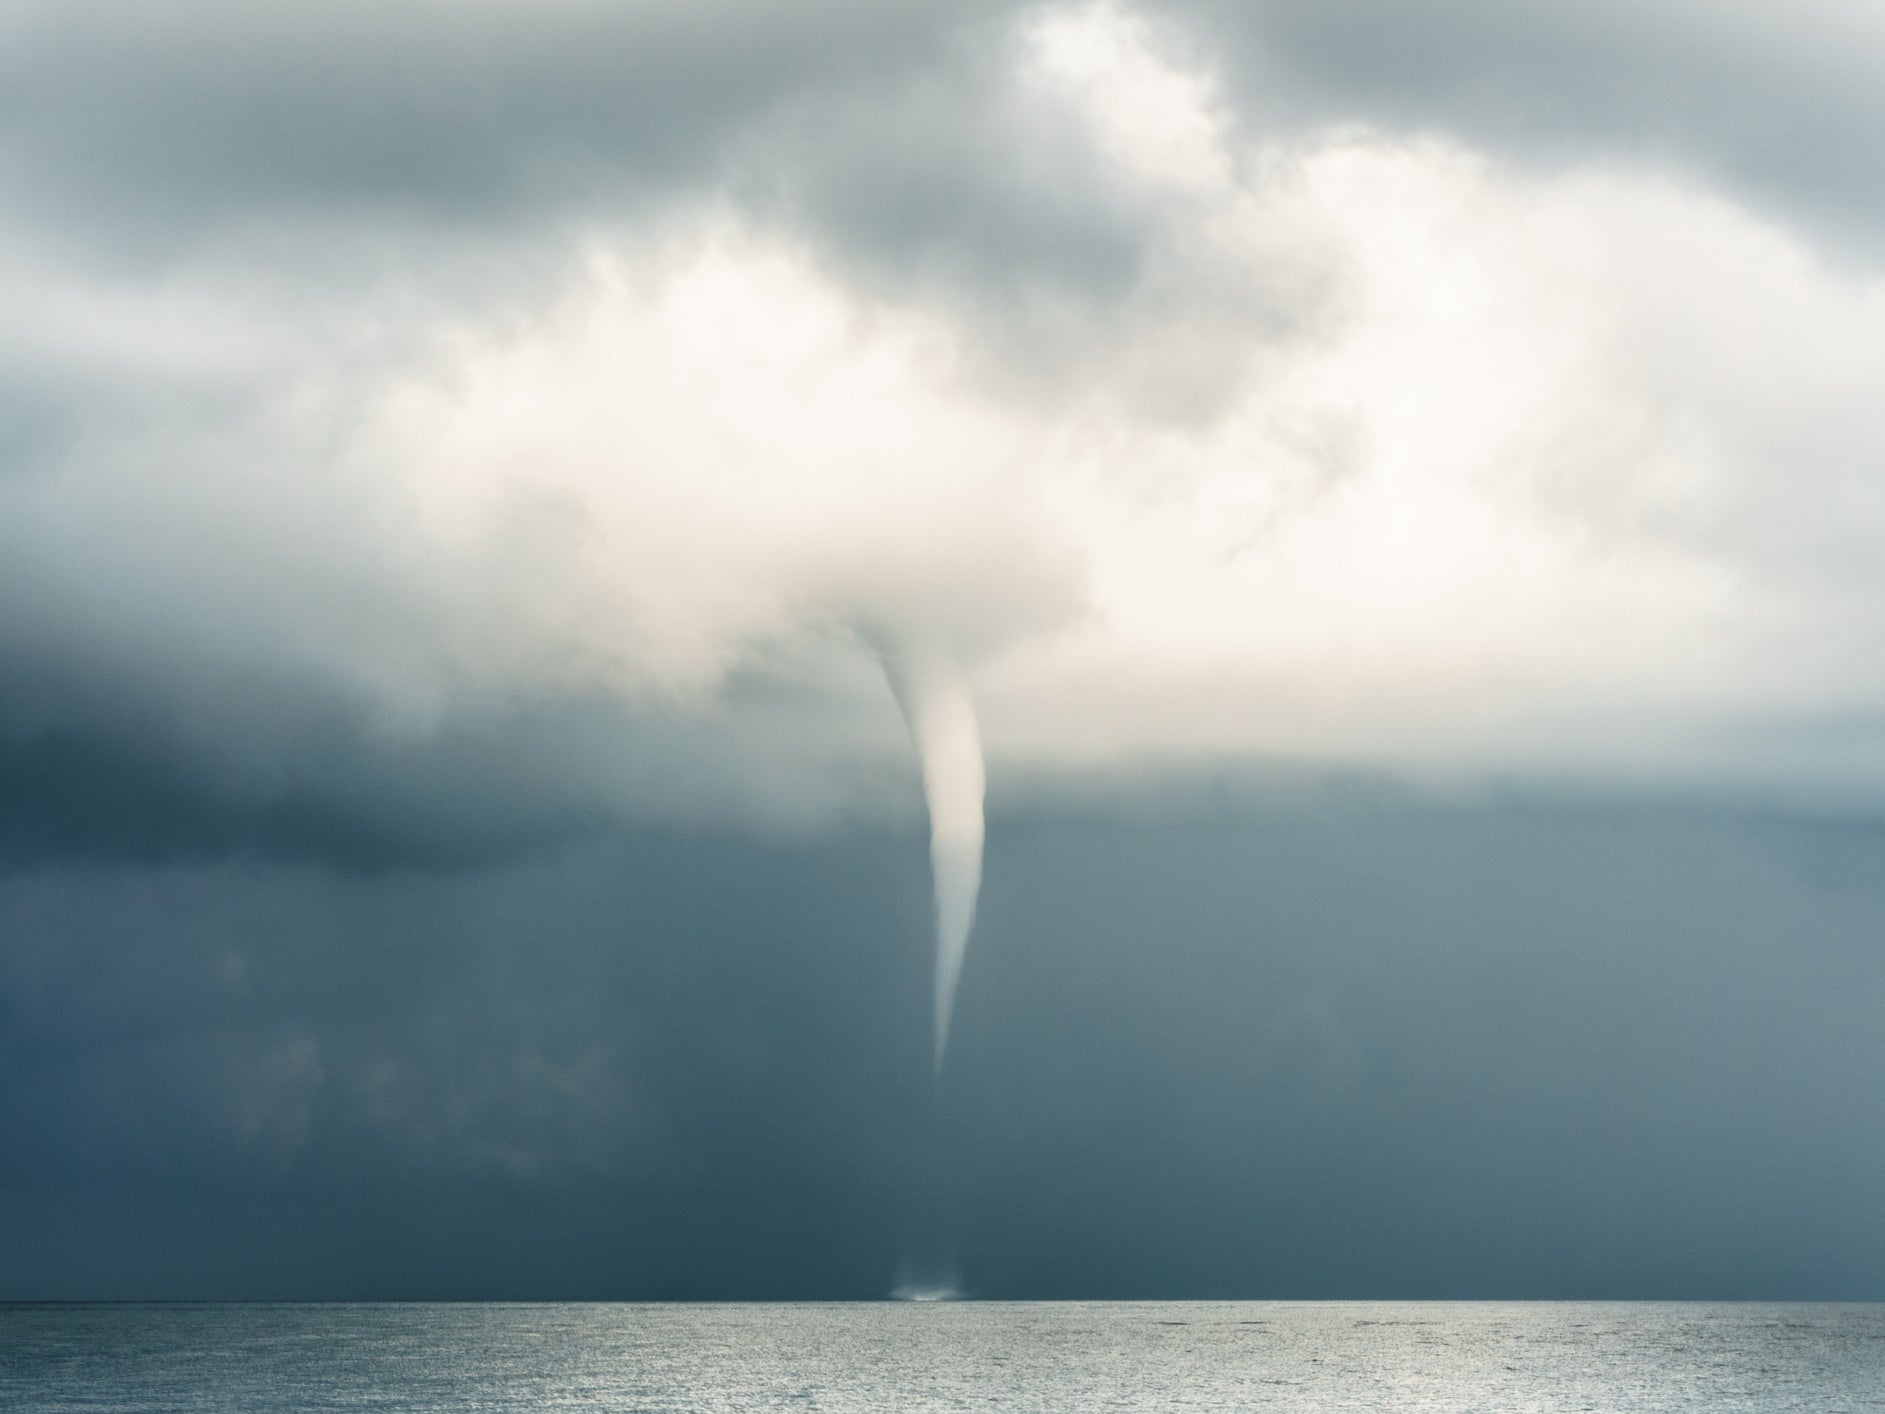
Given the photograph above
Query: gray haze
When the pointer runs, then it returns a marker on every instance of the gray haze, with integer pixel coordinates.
(1311, 1042)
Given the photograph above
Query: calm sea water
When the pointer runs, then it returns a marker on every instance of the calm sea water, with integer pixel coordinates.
(1495, 1356)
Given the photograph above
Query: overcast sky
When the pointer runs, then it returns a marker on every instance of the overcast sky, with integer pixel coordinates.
(1401, 483)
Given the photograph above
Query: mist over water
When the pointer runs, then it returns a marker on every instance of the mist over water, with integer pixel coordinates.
(929, 1268)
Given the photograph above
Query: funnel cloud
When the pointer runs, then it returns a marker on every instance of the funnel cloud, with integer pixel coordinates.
(934, 695)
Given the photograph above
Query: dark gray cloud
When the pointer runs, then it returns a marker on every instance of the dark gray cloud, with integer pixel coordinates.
(454, 158)
(118, 764)
(895, 133)
(131, 791)
(956, 180)
(1339, 1044)
(1779, 103)
(892, 134)
(148, 117)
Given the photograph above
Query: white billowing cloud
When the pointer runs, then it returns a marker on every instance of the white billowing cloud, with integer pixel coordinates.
(719, 449)
(1154, 119)
(1392, 453)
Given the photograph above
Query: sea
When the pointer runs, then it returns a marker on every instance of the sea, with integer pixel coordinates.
(1506, 1357)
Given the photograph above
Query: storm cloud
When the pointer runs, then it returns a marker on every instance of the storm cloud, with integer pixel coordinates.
(387, 381)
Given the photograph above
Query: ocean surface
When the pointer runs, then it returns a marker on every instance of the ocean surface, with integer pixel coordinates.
(1493, 1356)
